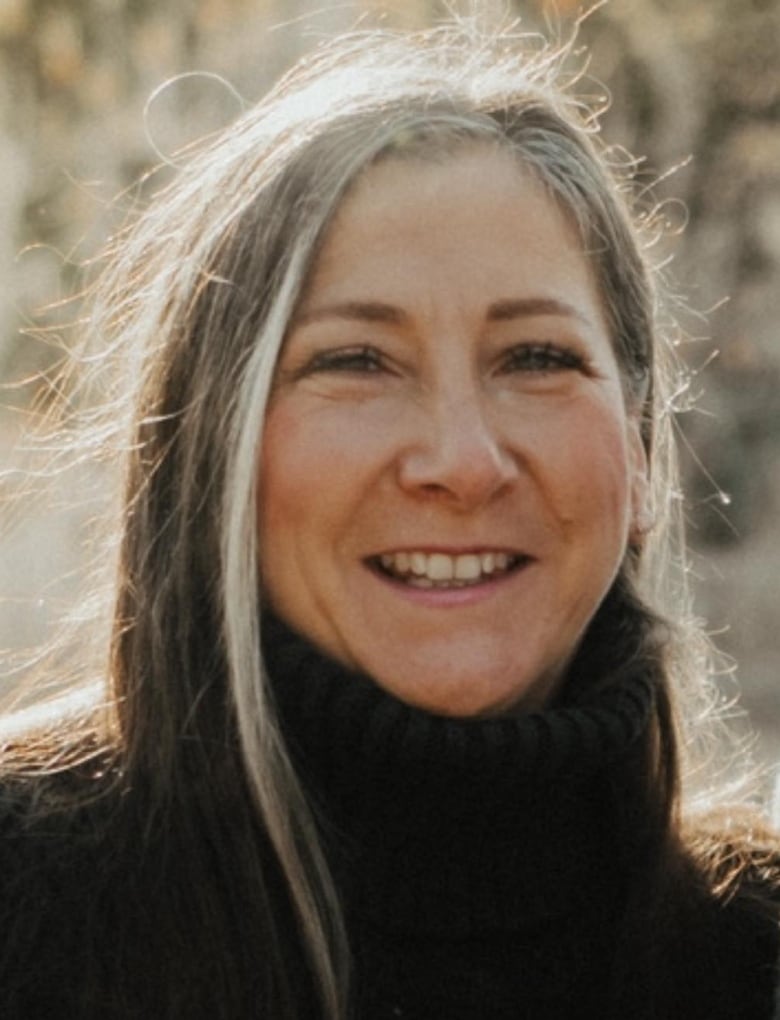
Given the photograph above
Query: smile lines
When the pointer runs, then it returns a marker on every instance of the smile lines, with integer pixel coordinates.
(442, 570)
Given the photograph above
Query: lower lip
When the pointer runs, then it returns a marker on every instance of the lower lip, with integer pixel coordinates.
(446, 598)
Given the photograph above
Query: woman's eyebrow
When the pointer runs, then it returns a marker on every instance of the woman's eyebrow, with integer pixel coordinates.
(360, 311)
(498, 311)
(519, 308)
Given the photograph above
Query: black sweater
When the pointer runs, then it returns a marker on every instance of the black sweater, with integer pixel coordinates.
(485, 867)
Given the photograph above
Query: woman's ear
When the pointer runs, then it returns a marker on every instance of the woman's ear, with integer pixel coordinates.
(642, 509)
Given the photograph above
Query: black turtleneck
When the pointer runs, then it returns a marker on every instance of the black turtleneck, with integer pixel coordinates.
(488, 869)
(483, 864)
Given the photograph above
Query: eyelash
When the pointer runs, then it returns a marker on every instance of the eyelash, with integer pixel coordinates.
(542, 358)
(348, 359)
(534, 358)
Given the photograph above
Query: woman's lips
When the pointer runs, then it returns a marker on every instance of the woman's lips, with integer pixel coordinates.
(418, 568)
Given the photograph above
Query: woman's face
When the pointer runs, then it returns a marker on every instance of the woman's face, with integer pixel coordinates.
(448, 466)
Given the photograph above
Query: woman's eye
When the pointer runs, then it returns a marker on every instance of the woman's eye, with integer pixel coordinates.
(542, 358)
(348, 359)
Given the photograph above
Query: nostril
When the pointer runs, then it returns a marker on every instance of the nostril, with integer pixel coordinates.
(465, 460)
(467, 479)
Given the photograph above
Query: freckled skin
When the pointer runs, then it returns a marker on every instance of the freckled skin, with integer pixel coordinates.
(448, 435)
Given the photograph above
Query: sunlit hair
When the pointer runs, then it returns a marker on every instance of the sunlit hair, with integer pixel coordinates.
(194, 305)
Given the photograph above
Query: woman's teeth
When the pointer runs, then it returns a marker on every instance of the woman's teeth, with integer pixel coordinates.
(440, 570)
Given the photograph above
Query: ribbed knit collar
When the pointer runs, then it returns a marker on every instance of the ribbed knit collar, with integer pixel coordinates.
(455, 827)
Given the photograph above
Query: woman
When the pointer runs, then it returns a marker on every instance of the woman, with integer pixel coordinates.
(395, 728)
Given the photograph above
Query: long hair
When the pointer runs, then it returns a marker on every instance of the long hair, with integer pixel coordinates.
(194, 305)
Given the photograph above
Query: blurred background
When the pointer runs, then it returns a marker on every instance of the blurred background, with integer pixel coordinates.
(695, 92)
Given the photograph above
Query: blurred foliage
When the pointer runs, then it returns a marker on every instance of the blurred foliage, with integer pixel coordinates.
(701, 80)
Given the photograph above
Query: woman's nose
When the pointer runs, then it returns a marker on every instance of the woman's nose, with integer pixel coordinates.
(459, 456)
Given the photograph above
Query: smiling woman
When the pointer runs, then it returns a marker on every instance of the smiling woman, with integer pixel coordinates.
(401, 710)
(449, 391)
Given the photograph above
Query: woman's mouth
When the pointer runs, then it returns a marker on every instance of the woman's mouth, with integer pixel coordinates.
(420, 569)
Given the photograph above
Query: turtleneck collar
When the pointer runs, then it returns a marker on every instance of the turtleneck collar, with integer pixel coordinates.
(459, 826)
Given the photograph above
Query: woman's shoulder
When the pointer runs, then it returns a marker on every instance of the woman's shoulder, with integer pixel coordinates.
(732, 920)
(54, 831)
(55, 866)
(736, 855)
(57, 771)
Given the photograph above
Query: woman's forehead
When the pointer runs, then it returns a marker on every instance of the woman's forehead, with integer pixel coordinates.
(461, 242)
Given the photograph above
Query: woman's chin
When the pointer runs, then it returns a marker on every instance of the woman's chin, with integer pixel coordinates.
(452, 689)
